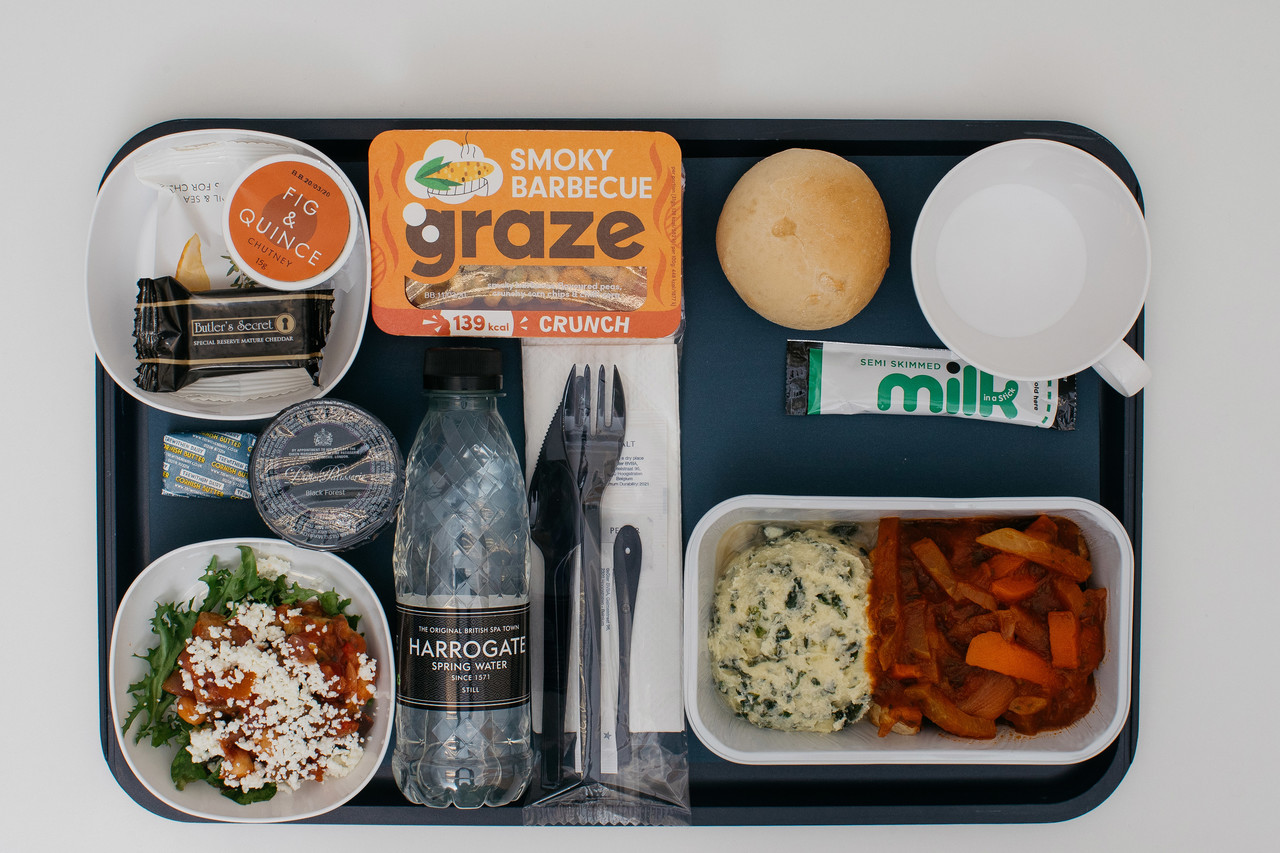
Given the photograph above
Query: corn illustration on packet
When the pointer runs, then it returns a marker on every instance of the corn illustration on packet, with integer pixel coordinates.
(527, 234)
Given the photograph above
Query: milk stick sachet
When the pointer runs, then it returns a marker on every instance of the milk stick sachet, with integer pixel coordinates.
(829, 378)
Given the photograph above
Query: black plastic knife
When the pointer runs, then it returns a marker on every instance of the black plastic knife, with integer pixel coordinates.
(553, 526)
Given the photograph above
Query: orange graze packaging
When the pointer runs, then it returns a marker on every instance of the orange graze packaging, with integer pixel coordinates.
(526, 233)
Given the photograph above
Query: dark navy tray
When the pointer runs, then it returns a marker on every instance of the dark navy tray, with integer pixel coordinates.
(736, 440)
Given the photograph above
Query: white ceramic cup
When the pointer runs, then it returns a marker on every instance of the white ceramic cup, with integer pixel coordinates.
(1031, 260)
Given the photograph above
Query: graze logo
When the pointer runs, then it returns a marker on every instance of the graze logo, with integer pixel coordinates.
(496, 231)
(451, 173)
(971, 393)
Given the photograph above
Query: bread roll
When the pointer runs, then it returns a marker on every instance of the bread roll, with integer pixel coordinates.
(804, 239)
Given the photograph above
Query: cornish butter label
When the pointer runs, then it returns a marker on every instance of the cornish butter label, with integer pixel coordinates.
(506, 233)
(450, 660)
(207, 464)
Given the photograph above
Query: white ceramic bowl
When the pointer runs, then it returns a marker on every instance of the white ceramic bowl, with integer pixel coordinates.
(175, 577)
(117, 256)
(734, 739)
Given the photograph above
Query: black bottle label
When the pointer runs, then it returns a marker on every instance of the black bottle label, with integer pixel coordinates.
(468, 660)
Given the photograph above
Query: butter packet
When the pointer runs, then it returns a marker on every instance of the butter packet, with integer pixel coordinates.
(207, 464)
(829, 378)
(526, 233)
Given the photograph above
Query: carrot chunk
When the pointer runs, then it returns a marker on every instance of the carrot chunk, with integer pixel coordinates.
(1064, 639)
(1014, 588)
(1002, 564)
(1052, 557)
(1043, 529)
(992, 651)
(937, 565)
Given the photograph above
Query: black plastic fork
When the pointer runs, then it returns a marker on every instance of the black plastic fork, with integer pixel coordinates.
(593, 449)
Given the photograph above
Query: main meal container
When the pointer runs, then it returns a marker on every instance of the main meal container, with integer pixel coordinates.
(735, 739)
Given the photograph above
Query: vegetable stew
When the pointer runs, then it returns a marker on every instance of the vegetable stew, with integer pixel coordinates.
(981, 620)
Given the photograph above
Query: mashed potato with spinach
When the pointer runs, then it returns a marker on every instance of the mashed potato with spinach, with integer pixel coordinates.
(789, 629)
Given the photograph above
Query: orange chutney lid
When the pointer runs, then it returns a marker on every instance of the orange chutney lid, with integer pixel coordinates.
(290, 222)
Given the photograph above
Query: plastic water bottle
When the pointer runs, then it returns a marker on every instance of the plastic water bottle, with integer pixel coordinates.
(462, 595)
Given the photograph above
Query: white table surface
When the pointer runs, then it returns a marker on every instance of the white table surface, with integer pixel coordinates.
(1186, 90)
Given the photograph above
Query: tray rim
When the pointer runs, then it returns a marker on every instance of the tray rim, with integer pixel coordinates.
(963, 135)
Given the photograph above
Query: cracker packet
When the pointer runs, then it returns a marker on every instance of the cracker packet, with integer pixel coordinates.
(191, 183)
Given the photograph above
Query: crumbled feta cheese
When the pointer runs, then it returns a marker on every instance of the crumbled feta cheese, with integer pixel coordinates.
(271, 566)
(287, 726)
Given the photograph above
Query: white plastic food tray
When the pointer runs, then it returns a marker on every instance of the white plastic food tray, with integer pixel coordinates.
(737, 740)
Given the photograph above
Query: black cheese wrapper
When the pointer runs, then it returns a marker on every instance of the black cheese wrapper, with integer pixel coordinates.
(181, 336)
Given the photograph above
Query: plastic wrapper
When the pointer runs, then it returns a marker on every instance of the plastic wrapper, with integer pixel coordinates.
(620, 753)
(191, 183)
(561, 233)
(830, 378)
(181, 337)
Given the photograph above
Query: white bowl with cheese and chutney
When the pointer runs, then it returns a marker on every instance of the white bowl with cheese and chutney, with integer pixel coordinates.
(123, 248)
(721, 534)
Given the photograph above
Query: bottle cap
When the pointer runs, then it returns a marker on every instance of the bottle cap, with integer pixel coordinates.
(462, 369)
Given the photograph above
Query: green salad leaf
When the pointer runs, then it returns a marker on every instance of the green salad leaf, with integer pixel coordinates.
(244, 798)
(185, 770)
(173, 625)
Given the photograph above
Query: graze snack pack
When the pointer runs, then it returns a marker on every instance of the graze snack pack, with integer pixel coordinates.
(506, 233)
